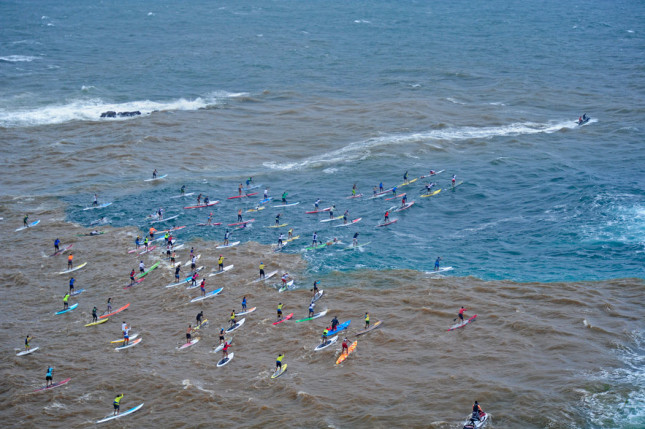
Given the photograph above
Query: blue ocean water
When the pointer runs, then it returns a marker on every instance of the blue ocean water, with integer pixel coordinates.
(361, 92)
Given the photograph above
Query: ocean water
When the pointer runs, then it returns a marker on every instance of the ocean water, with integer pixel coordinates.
(310, 99)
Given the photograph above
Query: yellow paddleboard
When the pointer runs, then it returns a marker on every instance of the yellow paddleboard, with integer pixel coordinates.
(292, 238)
(431, 194)
(343, 356)
(278, 226)
(407, 183)
(97, 323)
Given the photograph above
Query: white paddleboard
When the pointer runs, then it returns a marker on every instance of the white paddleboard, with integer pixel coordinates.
(326, 344)
(123, 414)
(222, 246)
(225, 269)
(234, 327)
(26, 352)
(156, 178)
(73, 269)
(224, 361)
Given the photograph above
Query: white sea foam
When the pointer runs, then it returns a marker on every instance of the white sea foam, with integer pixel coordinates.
(18, 58)
(360, 150)
(91, 109)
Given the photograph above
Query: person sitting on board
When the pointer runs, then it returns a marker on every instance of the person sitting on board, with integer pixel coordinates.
(345, 346)
(154, 174)
(244, 304)
(334, 323)
(220, 263)
(355, 239)
(436, 263)
(429, 187)
(278, 362)
(285, 277)
(95, 232)
(477, 411)
(232, 319)
(280, 310)
(324, 336)
(367, 320)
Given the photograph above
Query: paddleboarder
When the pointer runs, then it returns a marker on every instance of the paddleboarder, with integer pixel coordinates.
(117, 400)
(311, 310)
(244, 304)
(355, 240)
(367, 320)
(220, 263)
(27, 340)
(95, 317)
(226, 236)
(280, 305)
(71, 284)
(56, 245)
(460, 316)
(49, 378)
(65, 299)
(70, 261)
(345, 346)
(232, 319)
(199, 318)
(277, 219)
(278, 362)
(261, 270)
(436, 263)
(188, 333)
(202, 287)
(25, 219)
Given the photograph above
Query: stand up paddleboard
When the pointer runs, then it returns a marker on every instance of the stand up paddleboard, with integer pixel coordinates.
(123, 414)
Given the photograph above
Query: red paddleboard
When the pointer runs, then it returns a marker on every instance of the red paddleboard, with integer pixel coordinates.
(136, 282)
(319, 211)
(60, 383)
(462, 324)
(174, 228)
(393, 198)
(242, 196)
(354, 196)
(388, 223)
(283, 319)
(241, 223)
(115, 311)
(212, 224)
(202, 206)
